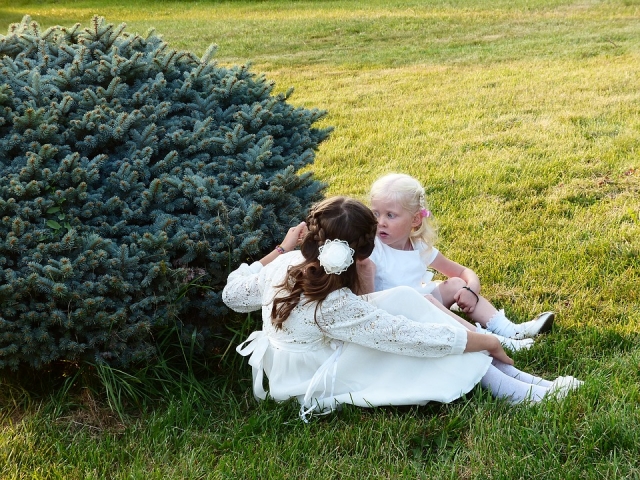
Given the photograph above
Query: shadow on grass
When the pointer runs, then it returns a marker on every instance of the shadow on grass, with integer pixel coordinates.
(182, 371)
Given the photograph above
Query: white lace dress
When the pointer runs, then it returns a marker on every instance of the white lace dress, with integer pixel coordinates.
(387, 348)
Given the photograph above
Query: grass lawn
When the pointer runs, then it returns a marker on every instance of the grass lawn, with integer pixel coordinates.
(522, 119)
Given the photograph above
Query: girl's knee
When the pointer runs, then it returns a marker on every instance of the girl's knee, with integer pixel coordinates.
(449, 288)
(454, 283)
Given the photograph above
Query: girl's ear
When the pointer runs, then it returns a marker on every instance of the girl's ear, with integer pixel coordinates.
(417, 220)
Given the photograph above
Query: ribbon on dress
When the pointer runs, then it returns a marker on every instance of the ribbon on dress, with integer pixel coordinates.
(256, 345)
(330, 363)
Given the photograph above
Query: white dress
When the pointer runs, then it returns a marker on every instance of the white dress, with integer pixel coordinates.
(360, 352)
(395, 268)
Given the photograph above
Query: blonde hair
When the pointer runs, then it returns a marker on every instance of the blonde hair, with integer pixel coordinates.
(408, 193)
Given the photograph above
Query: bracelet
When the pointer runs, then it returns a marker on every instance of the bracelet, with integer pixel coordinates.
(279, 249)
(474, 293)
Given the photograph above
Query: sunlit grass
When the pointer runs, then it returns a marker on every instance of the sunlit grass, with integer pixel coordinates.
(521, 118)
(377, 32)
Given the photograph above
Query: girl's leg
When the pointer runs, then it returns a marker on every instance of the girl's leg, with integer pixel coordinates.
(525, 377)
(502, 385)
(489, 317)
(445, 291)
(458, 319)
(510, 343)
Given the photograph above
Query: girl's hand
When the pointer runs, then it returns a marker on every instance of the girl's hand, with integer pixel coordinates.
(499, 354)
(366, 266)
(291, 240)
(366, 275)
(478, 342)
(294, 237)
(466, 300)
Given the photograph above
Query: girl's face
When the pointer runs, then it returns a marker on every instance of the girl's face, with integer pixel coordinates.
(394, 223)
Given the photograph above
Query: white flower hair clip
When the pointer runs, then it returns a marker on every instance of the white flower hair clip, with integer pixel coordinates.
(335, 256)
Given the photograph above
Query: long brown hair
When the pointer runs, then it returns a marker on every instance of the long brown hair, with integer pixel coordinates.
(333, 218)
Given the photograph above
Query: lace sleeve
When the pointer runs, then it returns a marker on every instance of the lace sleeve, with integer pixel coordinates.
(351, 319)
(243, 292)
(250, 287)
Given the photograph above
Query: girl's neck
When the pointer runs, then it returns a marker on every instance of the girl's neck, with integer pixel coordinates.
(408, 246)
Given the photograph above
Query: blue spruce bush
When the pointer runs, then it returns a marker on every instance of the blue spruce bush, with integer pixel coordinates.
(126, 169)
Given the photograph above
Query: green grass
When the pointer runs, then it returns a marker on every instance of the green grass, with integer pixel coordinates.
(521, 118)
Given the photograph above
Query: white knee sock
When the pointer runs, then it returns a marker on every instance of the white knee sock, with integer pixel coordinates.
(525, 377)
(502, 385)
(501, 325)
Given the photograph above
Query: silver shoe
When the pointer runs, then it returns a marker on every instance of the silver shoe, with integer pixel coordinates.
(541, 324)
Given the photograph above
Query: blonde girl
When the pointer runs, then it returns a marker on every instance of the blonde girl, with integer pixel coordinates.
(405, 254)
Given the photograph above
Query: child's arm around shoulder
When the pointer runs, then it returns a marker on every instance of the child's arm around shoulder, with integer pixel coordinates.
(366, 276)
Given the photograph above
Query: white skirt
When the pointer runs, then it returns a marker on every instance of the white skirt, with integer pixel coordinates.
(324, 376)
